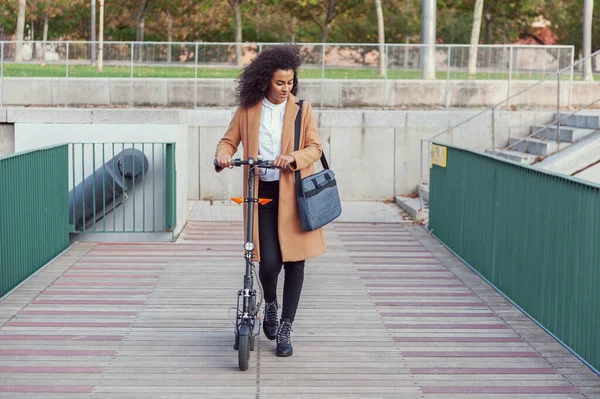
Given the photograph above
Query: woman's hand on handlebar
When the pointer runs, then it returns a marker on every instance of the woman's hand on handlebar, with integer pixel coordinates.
(284, 161)
(224, 161)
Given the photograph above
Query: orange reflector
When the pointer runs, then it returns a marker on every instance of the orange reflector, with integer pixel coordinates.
(262, 201)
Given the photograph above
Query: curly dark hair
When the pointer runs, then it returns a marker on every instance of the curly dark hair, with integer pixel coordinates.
(255, 79)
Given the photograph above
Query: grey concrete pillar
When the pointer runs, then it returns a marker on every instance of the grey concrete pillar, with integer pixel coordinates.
(7, 139)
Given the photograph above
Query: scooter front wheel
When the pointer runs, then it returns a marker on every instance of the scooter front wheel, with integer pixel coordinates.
(244, 337)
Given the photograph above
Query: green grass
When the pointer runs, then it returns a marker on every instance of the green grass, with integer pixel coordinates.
(111, 71)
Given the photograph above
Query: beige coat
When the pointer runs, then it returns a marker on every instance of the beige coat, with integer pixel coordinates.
(296, 244)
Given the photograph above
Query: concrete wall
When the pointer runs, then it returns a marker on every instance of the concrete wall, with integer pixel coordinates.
(332, 93)
(375, 154)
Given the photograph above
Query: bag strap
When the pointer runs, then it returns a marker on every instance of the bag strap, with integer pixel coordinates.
(297, 124)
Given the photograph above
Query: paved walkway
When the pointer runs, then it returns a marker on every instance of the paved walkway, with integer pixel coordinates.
(387, 312)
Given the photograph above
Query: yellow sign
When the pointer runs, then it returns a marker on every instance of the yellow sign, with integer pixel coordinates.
(438, 155)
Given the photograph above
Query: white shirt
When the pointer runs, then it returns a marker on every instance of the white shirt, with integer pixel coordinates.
(269, 136)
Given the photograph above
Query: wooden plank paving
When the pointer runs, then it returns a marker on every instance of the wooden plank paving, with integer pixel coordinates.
(387, 312)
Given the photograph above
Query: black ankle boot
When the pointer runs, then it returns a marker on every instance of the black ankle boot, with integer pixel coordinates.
(270, 322)
(284, 340)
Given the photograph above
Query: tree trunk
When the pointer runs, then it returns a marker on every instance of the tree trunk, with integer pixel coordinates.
(472, 68)
(93, 32)
(407, 37)
(20, 31)
(588, 10)
(294, 28)
(328, 19)
(140, 27)
(325, 33)
(237, 9)
(488, 27)
(44, 38)
(141, 40)
(100, 37)
(170, 34)
(381, 38)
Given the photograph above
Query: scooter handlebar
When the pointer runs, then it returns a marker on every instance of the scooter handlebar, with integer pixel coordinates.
(265, 164)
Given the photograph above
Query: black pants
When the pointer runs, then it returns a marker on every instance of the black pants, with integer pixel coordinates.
(270, 255)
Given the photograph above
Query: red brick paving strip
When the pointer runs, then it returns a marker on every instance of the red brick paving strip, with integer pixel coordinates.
(505, 390)
(47, 388)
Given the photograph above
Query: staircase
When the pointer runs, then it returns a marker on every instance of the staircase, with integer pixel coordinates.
(548, 140)
(579, 134)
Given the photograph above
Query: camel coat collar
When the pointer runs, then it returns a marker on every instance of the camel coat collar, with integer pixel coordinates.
(287, 142)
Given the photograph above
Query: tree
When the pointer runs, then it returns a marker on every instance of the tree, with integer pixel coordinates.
(173, 10)
(46, 10)
(20, 31)
(381, 38)
(323, 12)
(478, 11)
(237, 10)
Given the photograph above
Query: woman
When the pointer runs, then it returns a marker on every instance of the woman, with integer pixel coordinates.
(264, 124)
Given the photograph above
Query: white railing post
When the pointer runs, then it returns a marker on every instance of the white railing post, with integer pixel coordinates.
(448, 78)
(196, 78)
(510, 66)
(131, 77)
(385, 73)
(67, 79)
(323, 45)
(571, 77)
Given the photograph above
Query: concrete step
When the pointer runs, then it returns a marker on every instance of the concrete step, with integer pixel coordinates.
(574, 158)
(517, 156)
(425, 192)
(584, 120)
(533, 146)
(568, 134)
(413, 207)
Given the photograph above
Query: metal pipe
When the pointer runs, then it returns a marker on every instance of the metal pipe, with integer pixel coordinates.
(428, 40)
(588, 9)
(67, 80)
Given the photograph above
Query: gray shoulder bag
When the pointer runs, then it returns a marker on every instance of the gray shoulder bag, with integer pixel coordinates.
(317, 195)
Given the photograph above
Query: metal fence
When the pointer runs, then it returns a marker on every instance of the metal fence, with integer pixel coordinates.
(122, 187)
(531, 233)
(126, 63)
(33, 212)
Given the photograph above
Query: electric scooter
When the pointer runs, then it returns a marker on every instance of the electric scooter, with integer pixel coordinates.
(248, 302)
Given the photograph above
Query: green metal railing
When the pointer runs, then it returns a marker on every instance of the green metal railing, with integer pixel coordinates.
(130, 187)
(33, 212)
(533, 234)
